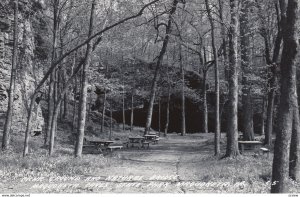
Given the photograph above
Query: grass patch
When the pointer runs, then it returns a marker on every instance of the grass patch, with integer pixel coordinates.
(245, 174)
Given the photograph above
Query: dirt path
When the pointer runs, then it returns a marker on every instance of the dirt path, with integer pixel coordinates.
(168, 166)
(162, 167)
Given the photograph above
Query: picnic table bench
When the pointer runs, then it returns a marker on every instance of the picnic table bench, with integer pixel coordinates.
(265, 151)
(113, 147)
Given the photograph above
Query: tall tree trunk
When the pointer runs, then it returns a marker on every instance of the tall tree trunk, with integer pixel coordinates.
(75, 93)
(245, 32)
(83, 96)
(204, 102)
(123, 106)
(59, 99)
(294, 167)
(287, 107)
(51, 94)
(74, 105)
(132, 110)
(248, 132)
(158, 64)
(103, 112)
(65, 109)
(168, 108)
(204, 91)
(224, 39)
(50, 108)
(217, 83)
(55, 93)
(60, 87)
(232, 130)
(272, 74)
(262, 131)
(110, 128)
(53, 126)
(57, 107)
(58, 103)
(167, 114)
(270, 110)
(205, 110)
(11, 93)
(159, 115)
(123, 94)
(183, 126)
(168, 102)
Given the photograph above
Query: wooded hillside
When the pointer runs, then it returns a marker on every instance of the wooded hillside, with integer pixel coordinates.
(174, 66)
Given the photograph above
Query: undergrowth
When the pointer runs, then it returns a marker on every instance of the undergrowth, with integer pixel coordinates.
(244, 174)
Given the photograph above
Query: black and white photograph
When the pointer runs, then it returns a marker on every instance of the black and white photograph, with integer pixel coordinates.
(149, 97)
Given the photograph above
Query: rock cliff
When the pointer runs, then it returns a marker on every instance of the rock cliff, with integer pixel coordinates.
(28, 73)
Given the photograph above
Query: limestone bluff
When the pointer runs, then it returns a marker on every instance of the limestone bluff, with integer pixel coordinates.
(29, 71)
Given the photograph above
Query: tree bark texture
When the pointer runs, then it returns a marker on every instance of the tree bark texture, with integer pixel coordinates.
(123, 106)
(262, 131)
(51, 94)
(132, 110)
(217, 80)
(103, 111)
(204, 102)
(232, 127)
(11, 93)
(110, 127)
(245, 33)
(272, 73)
(83, 96)
(60, 98)
(183, 126)
(270, 112)
(159, 115)
(168, 109)
(294, 167)
(280, 170)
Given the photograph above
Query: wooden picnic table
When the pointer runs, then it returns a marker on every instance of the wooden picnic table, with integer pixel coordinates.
(98, 142)
(254, 144)
(152, 133)
(136, 140)
(151, 137)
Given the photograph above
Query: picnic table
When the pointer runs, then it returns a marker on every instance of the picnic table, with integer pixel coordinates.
(251, 144)
(152, 133)
(136, 140)
(99, 143)
(140, 141)
(152, 137)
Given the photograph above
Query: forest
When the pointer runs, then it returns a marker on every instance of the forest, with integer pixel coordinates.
(208, 77)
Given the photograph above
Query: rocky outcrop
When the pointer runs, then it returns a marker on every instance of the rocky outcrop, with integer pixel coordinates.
(27, 72)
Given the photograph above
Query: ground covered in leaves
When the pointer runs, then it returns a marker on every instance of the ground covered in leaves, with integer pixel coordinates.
(177, 164)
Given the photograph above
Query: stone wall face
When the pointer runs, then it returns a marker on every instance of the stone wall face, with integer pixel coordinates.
(27, 73)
